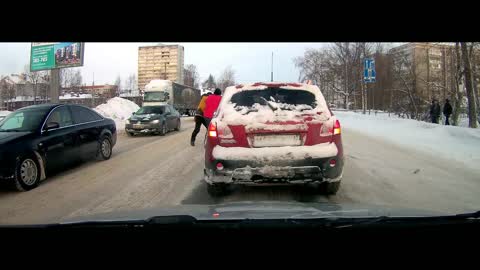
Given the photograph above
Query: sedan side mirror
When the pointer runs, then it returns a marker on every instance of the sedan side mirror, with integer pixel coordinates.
(52, 125)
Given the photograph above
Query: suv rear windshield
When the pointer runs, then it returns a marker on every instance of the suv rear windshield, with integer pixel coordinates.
(281, 97)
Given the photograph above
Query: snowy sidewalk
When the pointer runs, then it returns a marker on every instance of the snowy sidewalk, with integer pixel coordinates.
(458, 143)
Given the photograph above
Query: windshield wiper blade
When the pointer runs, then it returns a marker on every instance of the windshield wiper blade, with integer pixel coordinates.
(156, 220)
(10, 130)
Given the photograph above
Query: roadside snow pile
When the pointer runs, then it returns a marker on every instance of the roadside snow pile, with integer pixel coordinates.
(4, 113)
(461, 144)
(118, 109)
(275, 153)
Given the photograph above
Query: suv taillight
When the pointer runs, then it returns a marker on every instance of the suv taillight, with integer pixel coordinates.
(212, 130)
(336, 128)
(328, 130)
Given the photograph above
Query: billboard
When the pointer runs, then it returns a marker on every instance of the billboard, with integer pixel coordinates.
(51, 55)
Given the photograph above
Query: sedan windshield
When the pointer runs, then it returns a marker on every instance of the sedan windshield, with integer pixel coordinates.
(151, 110)
(27, 120)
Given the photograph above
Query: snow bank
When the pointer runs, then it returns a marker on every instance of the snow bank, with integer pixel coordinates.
(275, 153)
(4, 113)
(118, 109)
(458, 143)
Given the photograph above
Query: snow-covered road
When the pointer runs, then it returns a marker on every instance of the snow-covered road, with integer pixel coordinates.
(152, 171)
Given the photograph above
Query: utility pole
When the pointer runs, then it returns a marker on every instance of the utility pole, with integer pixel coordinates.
(272, 68)
(55, 85)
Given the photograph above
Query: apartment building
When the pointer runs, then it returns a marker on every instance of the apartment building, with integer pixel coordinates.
(432, 64)
(160, 62)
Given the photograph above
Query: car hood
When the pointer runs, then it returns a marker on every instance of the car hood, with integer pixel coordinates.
(6, 137)
(145, 117)
(259, 210)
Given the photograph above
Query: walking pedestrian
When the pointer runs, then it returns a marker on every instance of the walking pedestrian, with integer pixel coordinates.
(447, 111)
(199, 120)
(435, 111)
(211, 105)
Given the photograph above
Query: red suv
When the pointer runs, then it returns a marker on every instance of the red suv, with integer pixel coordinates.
(273, 134)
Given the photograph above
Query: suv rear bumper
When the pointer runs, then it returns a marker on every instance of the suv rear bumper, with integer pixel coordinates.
(276, 172)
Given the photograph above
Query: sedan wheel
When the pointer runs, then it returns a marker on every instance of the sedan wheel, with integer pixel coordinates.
(27, 175)
(163, 131)
(104, 149)
(177, 128)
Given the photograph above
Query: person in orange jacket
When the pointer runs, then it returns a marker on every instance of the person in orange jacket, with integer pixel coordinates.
(211, 105)
(199, 119)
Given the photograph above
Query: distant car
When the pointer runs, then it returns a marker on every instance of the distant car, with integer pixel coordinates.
(38, 138)
(273, 133)
(158, 119)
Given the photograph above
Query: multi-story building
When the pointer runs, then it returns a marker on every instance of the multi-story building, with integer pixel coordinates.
(160, 62)
(432, 65)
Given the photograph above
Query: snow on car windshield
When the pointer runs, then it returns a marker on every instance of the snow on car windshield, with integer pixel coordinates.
(254, 108)
(274, 97)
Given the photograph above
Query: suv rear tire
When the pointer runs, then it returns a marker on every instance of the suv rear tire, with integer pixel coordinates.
(217, 190)
(331, 188)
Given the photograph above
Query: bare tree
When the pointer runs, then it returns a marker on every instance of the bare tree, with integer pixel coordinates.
(209, 83)
(191, 76)
(34, 77)
(226, 78)
(118, 83)
(7, 91)
(407, 99)
(130, 83)
(472, 115)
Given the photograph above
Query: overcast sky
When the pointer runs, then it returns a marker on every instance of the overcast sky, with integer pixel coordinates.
(251, 61)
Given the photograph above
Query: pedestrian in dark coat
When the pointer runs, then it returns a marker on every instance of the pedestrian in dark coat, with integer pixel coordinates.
(447, 111)
(435, 111)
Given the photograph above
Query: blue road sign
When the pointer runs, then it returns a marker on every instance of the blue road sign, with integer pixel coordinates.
(369, 74)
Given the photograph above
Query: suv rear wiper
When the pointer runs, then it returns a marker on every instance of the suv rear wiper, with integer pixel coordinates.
(273, 108)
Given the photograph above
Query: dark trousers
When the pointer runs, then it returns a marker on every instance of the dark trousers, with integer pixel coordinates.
(199, 120)
(207, 121)
(446, 120)
(435, 119)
